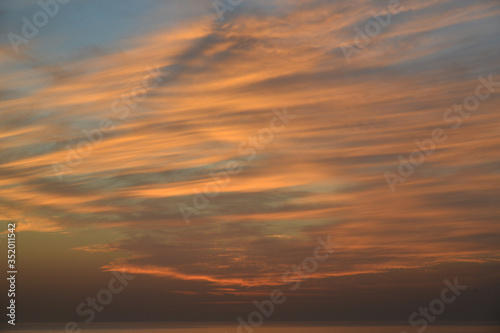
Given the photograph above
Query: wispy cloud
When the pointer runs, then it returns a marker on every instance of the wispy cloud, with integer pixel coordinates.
(320, 176)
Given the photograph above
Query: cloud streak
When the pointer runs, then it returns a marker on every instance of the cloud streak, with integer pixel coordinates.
(320, 176)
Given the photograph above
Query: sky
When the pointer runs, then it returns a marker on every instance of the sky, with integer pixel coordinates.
(202, 154)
